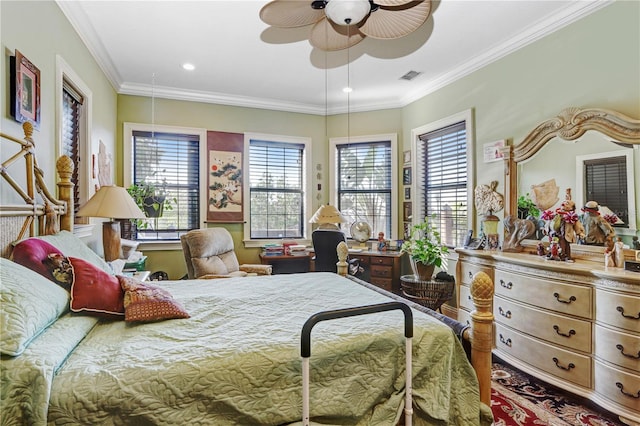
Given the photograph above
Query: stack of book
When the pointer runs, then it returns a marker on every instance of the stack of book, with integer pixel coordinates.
(297, 250)
(272, 250)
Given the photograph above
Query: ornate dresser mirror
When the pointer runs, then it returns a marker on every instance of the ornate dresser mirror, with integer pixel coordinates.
(573, 136)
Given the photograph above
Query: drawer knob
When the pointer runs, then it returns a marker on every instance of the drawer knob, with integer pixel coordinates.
(621, 387)
(567, 301)
(506, 314)
(567, 368)
(621, 349)
(506, 285)
(621, 310)
(506, 342)
(557, 329)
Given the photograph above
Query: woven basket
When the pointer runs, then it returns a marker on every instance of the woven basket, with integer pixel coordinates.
(431, 294)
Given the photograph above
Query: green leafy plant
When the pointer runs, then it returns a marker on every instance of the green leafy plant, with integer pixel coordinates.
(424, 245)
(526, 205)
(152, 199)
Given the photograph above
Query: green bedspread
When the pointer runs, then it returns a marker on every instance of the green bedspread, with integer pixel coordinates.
(236, 361)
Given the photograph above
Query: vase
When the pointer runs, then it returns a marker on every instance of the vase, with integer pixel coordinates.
(422, 271)
(154, 206)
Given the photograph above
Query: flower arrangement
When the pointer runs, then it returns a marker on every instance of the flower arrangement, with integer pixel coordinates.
(424, 245)
(611, 218)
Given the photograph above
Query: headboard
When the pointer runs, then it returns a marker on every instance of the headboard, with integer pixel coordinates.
(40, 213)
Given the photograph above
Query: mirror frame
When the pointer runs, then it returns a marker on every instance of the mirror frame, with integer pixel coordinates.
(569, 125)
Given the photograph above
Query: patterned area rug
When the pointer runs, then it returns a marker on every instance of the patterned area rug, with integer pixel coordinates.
(517, 399)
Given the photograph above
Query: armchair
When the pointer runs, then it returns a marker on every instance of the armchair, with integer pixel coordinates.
(209, 253)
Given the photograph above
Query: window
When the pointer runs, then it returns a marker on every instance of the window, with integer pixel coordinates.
(169, 158)
(443, 176)
(74, 100)
(607, 178)
(364, 170)
(277, 200)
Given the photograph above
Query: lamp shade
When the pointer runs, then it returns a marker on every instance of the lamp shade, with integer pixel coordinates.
(113, 202)
(327, 214)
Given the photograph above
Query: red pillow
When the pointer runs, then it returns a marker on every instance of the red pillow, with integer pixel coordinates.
(32, 252)
(94, 291)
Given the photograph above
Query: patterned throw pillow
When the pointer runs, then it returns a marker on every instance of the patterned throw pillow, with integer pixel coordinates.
(94, 291)
(60, 270)
(147, 303)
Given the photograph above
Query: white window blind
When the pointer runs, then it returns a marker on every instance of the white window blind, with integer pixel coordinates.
(276, 189)
(443, 155)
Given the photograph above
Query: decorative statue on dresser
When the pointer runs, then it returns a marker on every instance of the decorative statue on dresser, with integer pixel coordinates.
(564, 225)
(597, 230)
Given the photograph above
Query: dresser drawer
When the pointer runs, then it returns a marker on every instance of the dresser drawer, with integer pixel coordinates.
(566, 298)
(617, 386)
(557, 329)
(468, 270)
(466, 301)
(618, 310)
(464, 317)
(381, 260)
(561, 363)
(381, 271)
(618, 348)
(385, 283)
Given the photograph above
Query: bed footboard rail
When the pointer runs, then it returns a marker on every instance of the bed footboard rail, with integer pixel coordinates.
(305, 348)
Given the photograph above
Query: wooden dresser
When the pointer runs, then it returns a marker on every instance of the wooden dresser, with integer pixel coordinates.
(381, 268)
(574, 325)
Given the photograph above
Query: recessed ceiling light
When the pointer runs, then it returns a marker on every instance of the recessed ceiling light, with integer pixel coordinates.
(347, 90)
(189, 67)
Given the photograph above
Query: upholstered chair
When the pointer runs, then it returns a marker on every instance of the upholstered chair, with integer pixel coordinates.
(209, 253)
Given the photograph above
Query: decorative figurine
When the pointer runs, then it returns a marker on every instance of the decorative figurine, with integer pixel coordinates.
(608, 258)
(635, 243)
(540, 249)
(565, 225)
(597, 230)
(382, 243)
(618, 251)
(554, 250)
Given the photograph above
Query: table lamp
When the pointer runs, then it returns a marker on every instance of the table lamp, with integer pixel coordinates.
(113, 202)
(327, 217)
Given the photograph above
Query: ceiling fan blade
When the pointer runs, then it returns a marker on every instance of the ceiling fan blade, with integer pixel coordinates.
(326, 35)
(290, 13)
(392, 2)
(395, 22)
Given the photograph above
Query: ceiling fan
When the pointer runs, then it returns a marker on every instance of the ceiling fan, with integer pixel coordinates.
(334, 20)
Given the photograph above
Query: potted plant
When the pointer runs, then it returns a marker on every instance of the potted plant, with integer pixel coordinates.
(526, 207)
(152, 199)
(425, 250)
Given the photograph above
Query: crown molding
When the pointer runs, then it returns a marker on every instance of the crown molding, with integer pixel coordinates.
(572, 13)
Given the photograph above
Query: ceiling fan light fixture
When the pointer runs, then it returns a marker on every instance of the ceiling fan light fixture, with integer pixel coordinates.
(347, 12)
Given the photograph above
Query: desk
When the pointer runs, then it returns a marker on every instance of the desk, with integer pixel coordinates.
(381, 268)
(287, 264)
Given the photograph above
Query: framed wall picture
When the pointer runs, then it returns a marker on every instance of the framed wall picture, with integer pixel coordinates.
(491, 151)
(406, 157)
(224, 184)
(25, 90)
(406, 211)
(406, 176)
(407, 193)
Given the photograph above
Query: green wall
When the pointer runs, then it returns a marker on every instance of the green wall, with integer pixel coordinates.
(594, 62)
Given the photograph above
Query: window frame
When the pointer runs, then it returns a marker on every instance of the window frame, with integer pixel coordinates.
(85, 176)
(127, 142)
(306, 186)
(333, 172)
(465, 116)
(631, 189)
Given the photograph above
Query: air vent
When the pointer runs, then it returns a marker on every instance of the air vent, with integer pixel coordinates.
(410, 75)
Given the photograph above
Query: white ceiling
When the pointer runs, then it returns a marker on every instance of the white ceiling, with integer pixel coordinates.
(240, 60)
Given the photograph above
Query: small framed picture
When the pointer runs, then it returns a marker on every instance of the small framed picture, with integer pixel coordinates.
(407, 211)
(407, 193)
(406, 176)
(492, 151)
(25, 90)
(406, 157)
(407, 230)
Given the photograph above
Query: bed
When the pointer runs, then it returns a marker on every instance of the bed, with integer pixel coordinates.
(234, 356)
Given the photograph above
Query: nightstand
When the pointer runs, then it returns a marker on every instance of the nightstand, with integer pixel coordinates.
(139, 275)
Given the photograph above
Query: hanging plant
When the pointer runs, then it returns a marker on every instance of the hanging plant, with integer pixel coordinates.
(152, 199)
